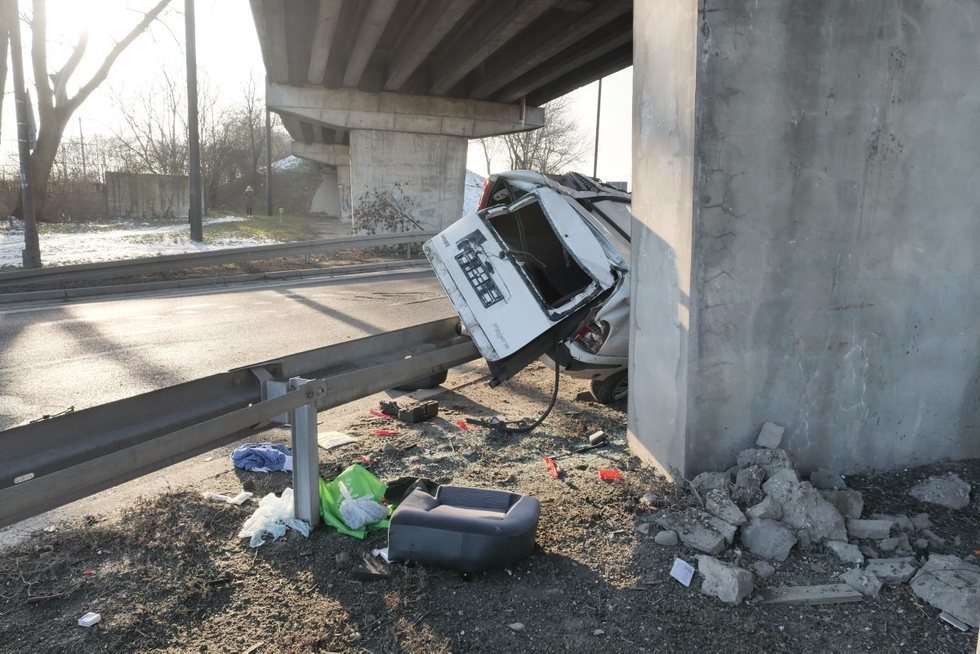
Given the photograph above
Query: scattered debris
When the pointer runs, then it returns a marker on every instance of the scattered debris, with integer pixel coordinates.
(872, 529)
(949, 491)
(771, 460)
(516, 626)
(767, 508)
(846, 552)
(237, 500)
(863, 581)
(770, 436)
(90, 619)
(710, 481)
(850, 503)
(763, 569)
(273, 517)
(683, 572)
(825, 479)
(384, 433)
(719, 504)
(328, 440)
(381, 552)
(610, 474)
(263, 457)
(595, 438)
(820, 594)
(372, 570)
(768, 539)
(728, 583)
(411, 413)
(951, 585)
(892, 572)
(667, 538)
(692, 528)
(921, 521)
(805, 508)
(552, 467)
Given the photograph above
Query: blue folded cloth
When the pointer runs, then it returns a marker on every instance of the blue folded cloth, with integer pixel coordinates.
(263, 457)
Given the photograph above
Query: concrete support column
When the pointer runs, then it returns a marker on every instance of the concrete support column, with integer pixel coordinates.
(804, 249)
(406, 182)
(344, 193)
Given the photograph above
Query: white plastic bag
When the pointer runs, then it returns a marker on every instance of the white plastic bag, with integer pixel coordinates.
(273, 517)
(359, 511)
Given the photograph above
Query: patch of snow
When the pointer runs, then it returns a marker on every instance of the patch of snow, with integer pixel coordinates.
(68, 244)
(290, 162)
(472, 190)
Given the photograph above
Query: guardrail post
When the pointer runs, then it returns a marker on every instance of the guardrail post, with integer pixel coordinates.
(306, 460)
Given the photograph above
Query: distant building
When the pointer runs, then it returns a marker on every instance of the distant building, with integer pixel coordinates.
(132, 195)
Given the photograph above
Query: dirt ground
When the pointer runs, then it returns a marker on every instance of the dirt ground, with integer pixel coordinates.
(170, 574)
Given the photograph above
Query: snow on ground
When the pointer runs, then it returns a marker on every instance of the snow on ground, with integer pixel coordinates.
(289, 162)
(472, 191)
(63, 244)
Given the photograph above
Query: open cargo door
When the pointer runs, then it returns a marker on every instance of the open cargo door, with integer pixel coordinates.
(522, 277)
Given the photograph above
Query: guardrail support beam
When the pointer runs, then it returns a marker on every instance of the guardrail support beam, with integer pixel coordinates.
(306, 460)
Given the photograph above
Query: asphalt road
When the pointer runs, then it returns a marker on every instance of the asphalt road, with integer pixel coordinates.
(87, 353)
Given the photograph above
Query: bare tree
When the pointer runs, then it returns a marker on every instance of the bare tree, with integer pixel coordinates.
(4, 38)
(55, 106)
(154, 138)
(549, 149)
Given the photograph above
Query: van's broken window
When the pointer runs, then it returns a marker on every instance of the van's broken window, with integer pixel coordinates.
(534, 245)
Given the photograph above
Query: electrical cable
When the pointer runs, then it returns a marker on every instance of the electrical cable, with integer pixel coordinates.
(521, 426)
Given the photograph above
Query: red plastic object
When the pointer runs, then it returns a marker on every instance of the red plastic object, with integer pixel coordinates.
(365, 459)
(610, 474)
(552, 467)
(88, 573)
(462, 425)
(378, 414)
(385, 432)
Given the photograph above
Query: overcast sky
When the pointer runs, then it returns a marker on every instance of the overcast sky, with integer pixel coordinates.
(227, 54)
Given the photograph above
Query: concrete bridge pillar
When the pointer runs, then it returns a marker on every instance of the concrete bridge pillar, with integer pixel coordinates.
(804, 250)
(407, 153)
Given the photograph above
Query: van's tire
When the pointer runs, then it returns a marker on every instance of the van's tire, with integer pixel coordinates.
(425, 382)
(612, 389)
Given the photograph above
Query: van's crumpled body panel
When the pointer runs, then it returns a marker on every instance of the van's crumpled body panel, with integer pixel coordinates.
(501, 307)
(525, 273)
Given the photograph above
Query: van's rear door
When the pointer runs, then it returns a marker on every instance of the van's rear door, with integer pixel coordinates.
(504, 293)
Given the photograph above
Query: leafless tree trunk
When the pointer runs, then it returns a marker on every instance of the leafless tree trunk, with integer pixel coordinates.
(4, 37)
(55, 107)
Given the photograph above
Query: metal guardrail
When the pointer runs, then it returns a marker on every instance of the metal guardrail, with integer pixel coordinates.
(53, 462)
(42, 278)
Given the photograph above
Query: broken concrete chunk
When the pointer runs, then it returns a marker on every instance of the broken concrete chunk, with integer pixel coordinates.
(693, 530)
(726, 582)
(901, 520)
(825, 479)
(869, 551)
(726, 529)
(768, 539)
(888, 544)
(950, 585)
(934, 539)
(892, 571)
(850, 503)
(822, 594)
(763, 569)
(805, 508)
(667, 538)
(770, 436)
(767, 508)
(748, 484)
(707, 481)
(949, 491)
(862, 581)
(720, 505)
(845, 551)
(771, 460)
(921, 521)
(781, 484)
(873, 529)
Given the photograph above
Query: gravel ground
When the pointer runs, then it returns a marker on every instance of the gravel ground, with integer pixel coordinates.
(170, 575)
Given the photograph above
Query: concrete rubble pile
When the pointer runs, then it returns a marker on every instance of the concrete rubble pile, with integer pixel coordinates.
(762, 506)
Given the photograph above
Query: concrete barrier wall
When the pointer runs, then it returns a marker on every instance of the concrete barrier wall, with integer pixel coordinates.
(834, 269)
(147, 196)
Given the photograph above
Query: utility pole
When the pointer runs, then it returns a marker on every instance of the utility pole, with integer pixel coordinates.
(81, 138)
(268, 162)
(31, 254)
(598, 112)
(193, 137)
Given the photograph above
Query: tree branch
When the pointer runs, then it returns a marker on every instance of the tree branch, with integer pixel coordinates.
(62, 76)
(117, 50)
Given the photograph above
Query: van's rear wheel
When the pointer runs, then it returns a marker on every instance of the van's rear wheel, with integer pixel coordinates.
(612, 389)
(425, 382)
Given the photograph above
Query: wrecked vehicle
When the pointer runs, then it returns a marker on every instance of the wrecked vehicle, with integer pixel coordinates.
(541, 270)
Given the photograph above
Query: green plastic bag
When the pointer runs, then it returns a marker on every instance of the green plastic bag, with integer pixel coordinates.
(359, 482)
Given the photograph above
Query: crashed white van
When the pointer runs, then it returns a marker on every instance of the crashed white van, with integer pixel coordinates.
(541, 271)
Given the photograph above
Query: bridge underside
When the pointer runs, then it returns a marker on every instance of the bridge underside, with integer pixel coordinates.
(413, 80)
